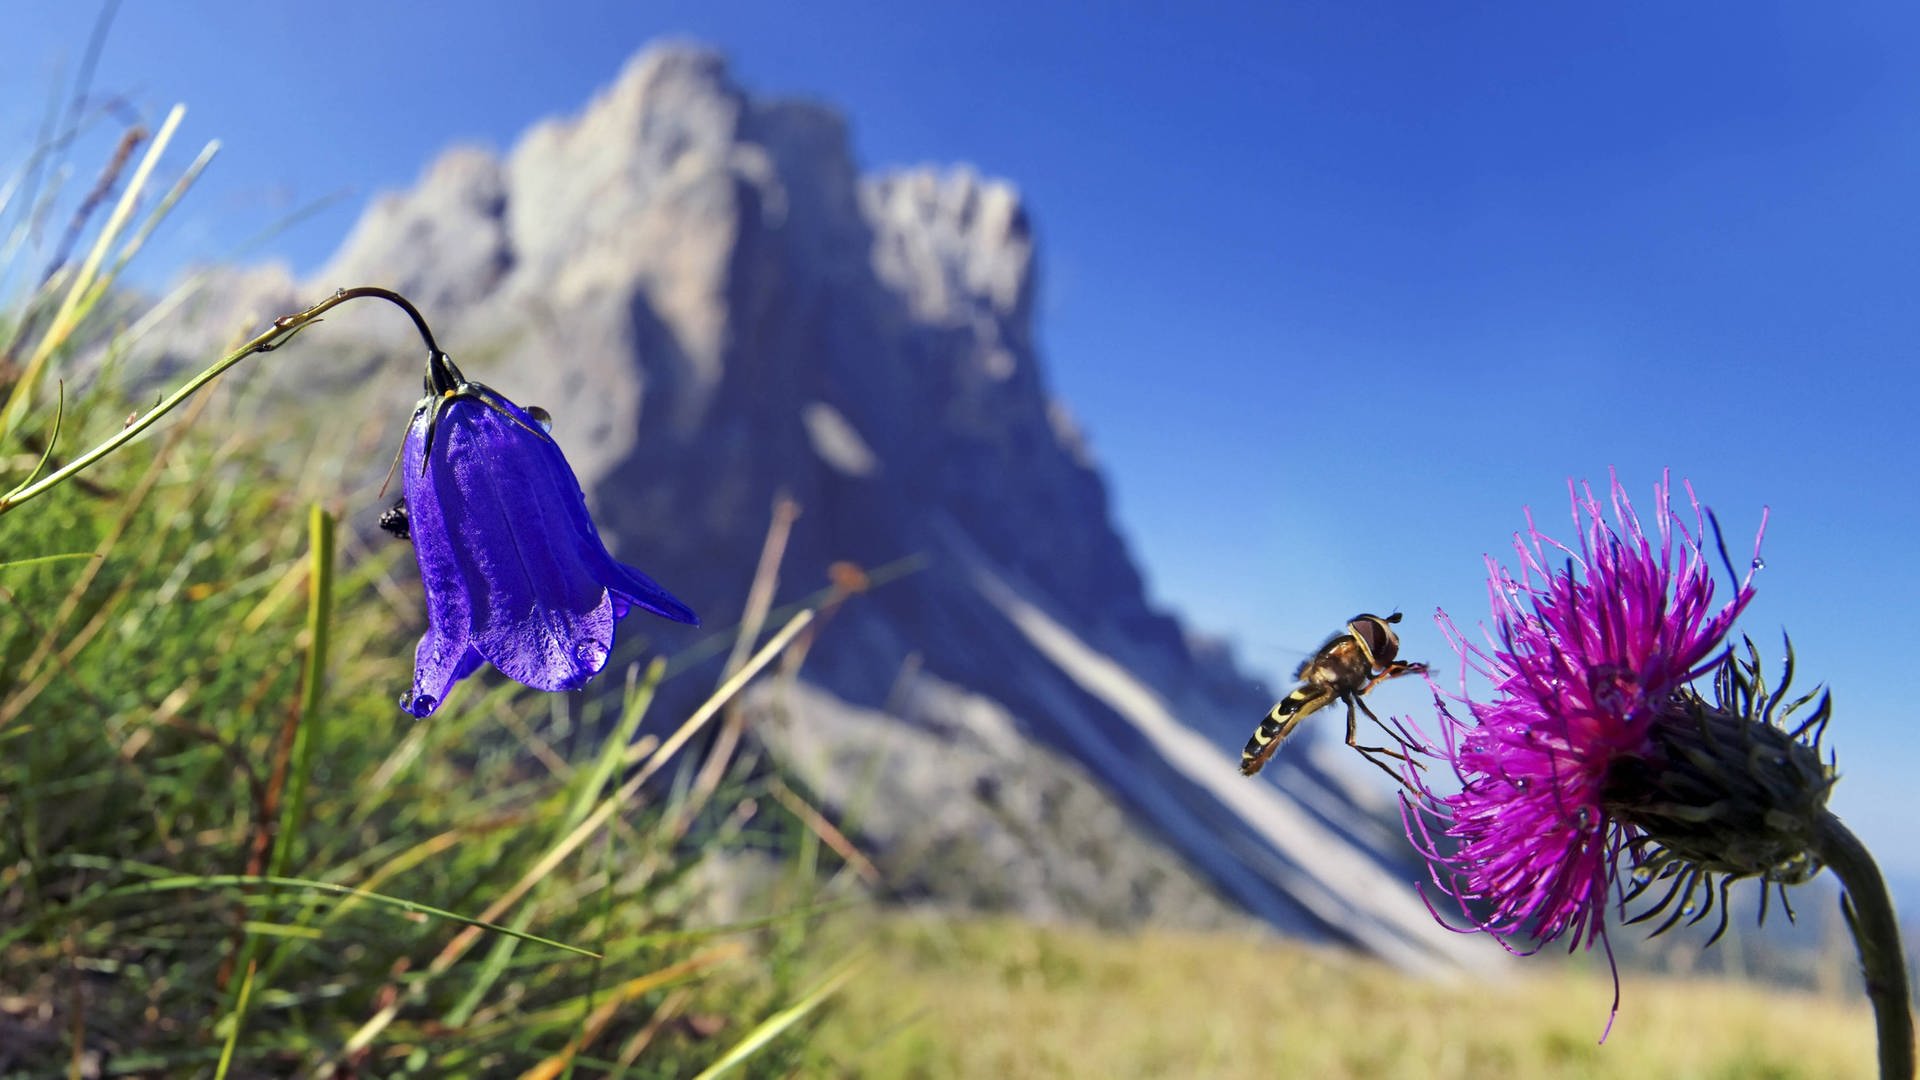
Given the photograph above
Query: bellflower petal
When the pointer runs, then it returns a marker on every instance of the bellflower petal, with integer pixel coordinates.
(629, 587)
(514, 571)
(446, 654)
(538, 613)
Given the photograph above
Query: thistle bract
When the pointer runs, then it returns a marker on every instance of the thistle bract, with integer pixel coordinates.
(514, 571)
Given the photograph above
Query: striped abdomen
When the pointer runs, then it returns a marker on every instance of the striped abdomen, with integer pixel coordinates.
(1280, 723)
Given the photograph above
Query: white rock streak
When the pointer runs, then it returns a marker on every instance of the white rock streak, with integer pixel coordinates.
(1267, 831)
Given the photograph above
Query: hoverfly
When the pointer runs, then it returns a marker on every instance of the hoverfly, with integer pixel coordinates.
(1346, 667)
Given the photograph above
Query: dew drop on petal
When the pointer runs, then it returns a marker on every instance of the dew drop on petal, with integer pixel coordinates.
(591, 653)
(419, 704)
(541, 417)
(1642, 875)
(1759, 563)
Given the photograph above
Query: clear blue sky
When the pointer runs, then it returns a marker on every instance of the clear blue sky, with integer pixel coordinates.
(1335, 289)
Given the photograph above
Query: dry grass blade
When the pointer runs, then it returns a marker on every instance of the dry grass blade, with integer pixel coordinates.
(773, 648)
(770, 1028)
(825, 830)
(637, 1045)
(66, 317)
(604, 1013)
(766, 579)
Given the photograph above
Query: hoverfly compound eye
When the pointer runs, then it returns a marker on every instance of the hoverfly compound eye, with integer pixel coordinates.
(541, 417)
(1380, 641)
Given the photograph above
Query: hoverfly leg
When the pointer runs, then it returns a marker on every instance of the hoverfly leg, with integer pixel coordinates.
(1394, 671)
(1391, 734)
(1368, 752)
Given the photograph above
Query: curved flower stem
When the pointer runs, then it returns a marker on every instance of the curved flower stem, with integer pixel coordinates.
(268, 340)
(1876, 933)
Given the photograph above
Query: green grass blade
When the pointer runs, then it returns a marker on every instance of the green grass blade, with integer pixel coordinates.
(594, 781)
(319, 607)
(53, 439)
(233, 1030)
(412, 907)
(307, 735)
(40, 559)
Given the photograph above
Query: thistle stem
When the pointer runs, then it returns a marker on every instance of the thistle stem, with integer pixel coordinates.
(268, 340)
(1876, 933)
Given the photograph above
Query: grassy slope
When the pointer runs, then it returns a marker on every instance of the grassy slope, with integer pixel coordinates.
(1007, 999)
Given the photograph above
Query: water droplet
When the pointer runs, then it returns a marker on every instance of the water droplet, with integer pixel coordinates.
(1642, 875)
(1759, 563)
(419, 704)
(541, 417)
(1584, 817)
(1688, 909)
(591, 653)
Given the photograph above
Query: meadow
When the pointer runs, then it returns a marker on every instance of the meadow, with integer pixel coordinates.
(946, 997)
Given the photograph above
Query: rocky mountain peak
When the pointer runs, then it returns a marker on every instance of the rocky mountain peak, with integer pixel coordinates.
(718, 307)
(446, 240)
(953, 243)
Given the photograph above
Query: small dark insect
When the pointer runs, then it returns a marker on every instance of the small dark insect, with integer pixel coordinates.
(1351, 663)
(394, 518)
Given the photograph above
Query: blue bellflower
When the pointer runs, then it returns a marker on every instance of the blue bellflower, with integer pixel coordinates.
(514, 571)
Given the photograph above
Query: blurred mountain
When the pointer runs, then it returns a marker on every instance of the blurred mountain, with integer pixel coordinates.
(717, 306)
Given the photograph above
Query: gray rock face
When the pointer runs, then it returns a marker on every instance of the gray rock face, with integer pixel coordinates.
(956, 806)
(717, 307)
(451, 233)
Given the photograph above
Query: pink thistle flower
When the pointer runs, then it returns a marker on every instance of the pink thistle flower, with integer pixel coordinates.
(1590, 671)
